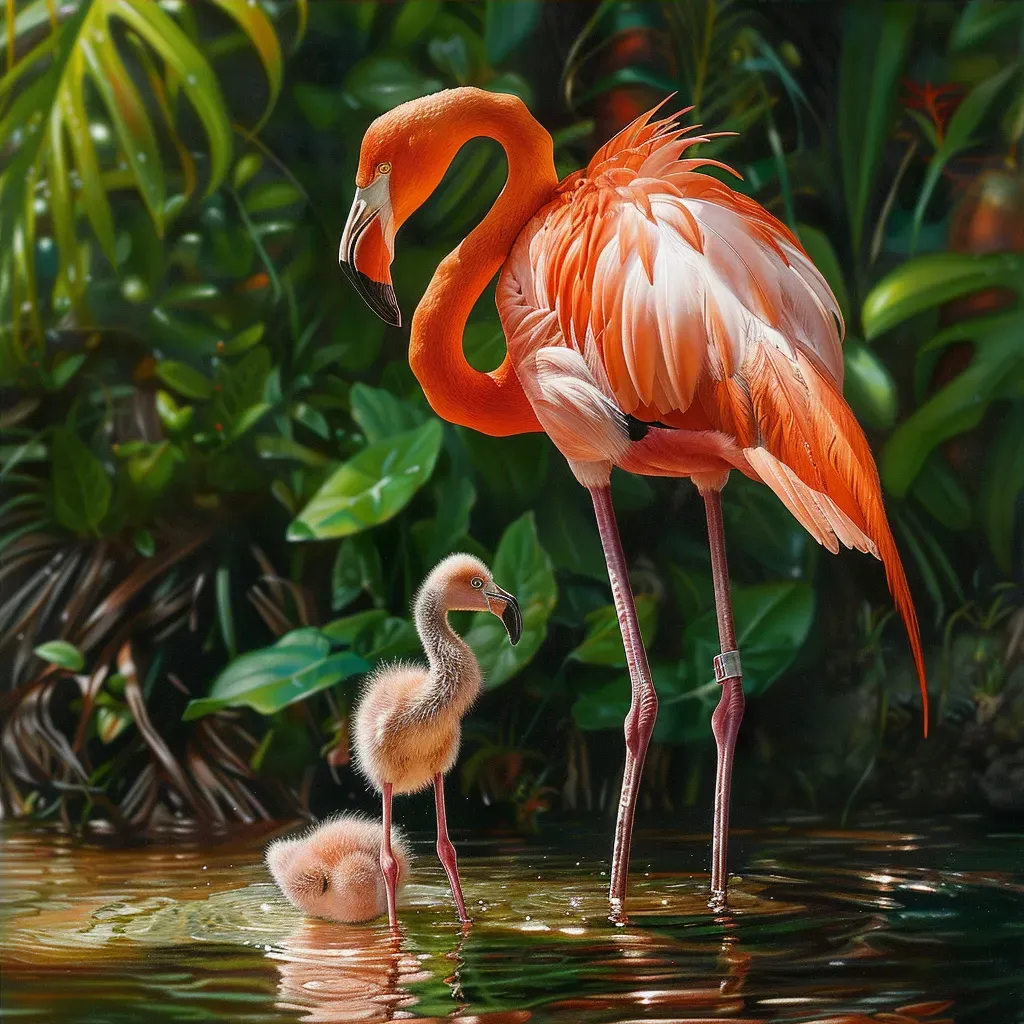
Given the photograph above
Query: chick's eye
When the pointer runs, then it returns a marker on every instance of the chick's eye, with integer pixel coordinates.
(476, 583)
(384, 168)
(325, 885)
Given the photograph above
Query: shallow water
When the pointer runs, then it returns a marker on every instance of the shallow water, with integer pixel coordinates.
(893, 924)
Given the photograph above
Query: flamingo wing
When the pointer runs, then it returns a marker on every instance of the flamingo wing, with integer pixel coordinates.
(671, 298)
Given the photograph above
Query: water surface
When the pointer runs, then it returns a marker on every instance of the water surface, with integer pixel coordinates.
(893, 924)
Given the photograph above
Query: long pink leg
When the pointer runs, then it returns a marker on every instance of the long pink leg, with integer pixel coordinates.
(445, 850)
(388, 864)
(643, 708)
(725, 721)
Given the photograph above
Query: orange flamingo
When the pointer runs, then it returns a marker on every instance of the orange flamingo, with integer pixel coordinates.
(657, 321)
(333, 870)
(409, 718)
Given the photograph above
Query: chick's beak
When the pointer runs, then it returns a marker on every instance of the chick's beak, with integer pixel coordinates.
(365, 251)
(506, 607)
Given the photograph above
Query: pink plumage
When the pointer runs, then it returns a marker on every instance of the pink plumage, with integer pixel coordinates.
(332, 870)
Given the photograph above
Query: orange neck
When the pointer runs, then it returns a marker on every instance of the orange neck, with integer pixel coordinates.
(493, 403)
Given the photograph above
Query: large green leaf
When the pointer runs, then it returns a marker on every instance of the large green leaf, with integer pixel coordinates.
(772, 623)
(928, 281)
(981, 18)
(357, 569)
(379, 83)
(762, 528)
(523, 568)
(875, 40)
(1003, 486)
(939, 490)
(372, 487)
(602, 644)
(684, 711)
(956, 408)
(380, 414)
(297, 666)
(506, 25)
(869, 386)
(81, 487)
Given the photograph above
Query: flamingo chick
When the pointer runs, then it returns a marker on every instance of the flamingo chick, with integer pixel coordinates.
(332, 871)
(409, 720)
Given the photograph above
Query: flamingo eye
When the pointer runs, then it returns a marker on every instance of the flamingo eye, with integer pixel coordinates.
(384, 168)
(476, 583)
(325, 886)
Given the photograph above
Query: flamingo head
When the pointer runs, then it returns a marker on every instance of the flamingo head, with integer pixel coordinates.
(403, 158)
(468, 586)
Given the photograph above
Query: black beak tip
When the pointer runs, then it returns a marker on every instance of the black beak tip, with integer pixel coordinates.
(512, 618)
(379, 297)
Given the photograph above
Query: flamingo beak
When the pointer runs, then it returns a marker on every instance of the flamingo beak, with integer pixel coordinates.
(367, 248)
(509, 612)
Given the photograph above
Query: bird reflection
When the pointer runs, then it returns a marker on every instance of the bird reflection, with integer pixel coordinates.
(331, 972)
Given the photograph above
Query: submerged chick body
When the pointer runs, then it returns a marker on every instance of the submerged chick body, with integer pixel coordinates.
(333, 869)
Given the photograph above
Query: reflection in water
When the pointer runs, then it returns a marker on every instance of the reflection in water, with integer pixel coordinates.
(332, 972)
(884, 926)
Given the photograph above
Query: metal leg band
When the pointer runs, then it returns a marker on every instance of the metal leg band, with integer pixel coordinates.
(727, 666)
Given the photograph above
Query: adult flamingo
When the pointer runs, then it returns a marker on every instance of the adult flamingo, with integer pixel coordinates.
(656, 321)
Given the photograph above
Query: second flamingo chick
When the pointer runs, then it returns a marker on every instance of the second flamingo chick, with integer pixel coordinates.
(333, 870)
(409, 721)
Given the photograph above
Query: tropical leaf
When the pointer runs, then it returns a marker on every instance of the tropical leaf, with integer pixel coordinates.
(602, 644)
(927, 281)
(81, 487)
(372, 487)
(875, 40)
(524, 569)
(939, 490)
(956, 408)
(297, 666)
(47, 118)
(772, 623)
(869, 386)
(63, 654)
(506, 25)
(380, 414)
(982, 18)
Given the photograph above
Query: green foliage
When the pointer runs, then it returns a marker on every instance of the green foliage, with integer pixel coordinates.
(197, 387)
(372, 487)
(522, 567)
(297, 666)
(62, 654)
(81, 487)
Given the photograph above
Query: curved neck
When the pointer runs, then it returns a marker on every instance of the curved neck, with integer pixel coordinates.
(454, 677)
(493, 403)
